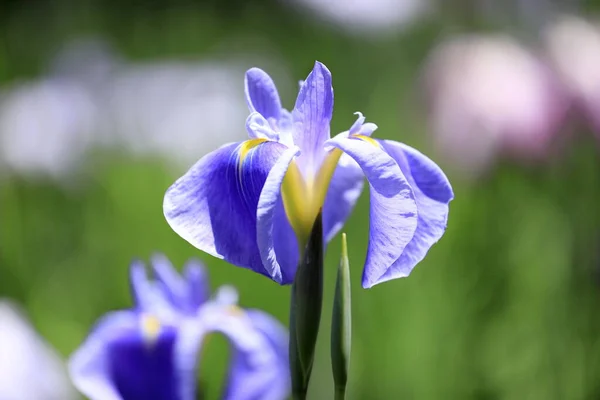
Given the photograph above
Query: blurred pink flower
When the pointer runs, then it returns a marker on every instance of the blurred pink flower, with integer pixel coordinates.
(573, 45)
(486, 94)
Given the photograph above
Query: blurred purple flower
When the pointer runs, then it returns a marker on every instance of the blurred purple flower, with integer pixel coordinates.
(486, 94)
(253, 203)
(573, 45)
(29, 367)
(151, 351)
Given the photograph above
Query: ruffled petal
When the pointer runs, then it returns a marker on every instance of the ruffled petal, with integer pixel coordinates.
(259, 128)
(312, 115)
(344, 190)
(393, 210)
(261, 94)
(214, 205)
(432, 192)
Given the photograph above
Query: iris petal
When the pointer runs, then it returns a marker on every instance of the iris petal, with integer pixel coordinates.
(198, 284)
(117, 362)
(432, 192)
(344, 190)
(89, 366)
(261, 94)
(142, 370)
(184, 293)
(275, 237)
(393, 210)
(214, 205)
(312, 114)
(258, 127)
(256, 369)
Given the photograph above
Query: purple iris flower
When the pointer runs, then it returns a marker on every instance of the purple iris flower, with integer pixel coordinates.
(151, 351)
(253, 203)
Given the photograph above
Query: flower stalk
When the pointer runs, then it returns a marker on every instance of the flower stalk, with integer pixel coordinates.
(305, 311)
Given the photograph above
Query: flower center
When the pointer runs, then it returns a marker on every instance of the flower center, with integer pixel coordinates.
(303, 197)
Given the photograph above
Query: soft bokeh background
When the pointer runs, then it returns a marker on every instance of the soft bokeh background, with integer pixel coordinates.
(104, 104)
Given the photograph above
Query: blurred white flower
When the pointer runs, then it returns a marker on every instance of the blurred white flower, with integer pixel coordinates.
(29, 368)
(487, 93)
(178, 110)
(369, 15)
(175, 109)
(573, 45)
(45, 126)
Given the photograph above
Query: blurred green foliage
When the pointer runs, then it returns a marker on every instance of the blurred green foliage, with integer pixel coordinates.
(504, 307)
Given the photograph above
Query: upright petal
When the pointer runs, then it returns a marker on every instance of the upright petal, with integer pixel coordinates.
(149, 296)
(185, 293)
(393, 210)
(312, 115)
(214, 205)
(344, 190)
(261, 94)
(126, 358)
(197, 280)
(432, 192)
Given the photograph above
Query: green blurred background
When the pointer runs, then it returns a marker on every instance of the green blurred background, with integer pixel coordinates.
(505, 306)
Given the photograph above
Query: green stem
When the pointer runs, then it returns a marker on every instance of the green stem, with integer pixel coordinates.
(340, 393)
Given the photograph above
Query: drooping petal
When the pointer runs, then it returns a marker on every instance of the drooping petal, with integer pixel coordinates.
(312, 115)
(344, 190)
(432, 192)
(275, 237)
(127, 357)
(256, 370)
(141, 367)
(214, 205)
(261, 94)
(89, 366)
(275, 332)
(393, 210)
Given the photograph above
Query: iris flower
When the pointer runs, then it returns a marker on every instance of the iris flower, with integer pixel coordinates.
(253, 203)
(151, 351)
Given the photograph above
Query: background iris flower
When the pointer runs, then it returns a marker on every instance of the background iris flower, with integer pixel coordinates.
(151, 351)
(253, 203)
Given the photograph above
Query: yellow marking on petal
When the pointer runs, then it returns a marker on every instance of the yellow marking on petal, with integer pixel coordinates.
(367, 139)
(151, 327)
(248, 145)
(294, 193)
(303, 199)
(235, 311)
